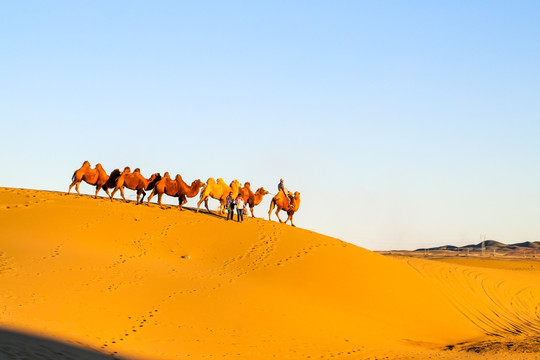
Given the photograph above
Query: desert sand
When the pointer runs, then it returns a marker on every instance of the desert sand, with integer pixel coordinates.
(90, 278)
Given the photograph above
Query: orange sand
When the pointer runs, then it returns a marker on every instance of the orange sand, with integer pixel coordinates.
(146, 283)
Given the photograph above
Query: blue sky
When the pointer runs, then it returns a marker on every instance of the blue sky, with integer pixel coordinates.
(402, 124)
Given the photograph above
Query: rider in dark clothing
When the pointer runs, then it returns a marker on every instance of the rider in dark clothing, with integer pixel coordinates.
(230, 206)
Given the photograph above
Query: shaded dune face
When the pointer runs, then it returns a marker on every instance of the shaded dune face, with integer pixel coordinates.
(144, 283)
(18, 345)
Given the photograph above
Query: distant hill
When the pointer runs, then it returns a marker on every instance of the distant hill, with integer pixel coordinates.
(490, 245)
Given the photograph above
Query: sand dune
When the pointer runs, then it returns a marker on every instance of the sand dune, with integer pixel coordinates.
(144, 283)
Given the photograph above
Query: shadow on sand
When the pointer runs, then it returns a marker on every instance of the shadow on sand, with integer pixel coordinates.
(205, 212)
(16, 345)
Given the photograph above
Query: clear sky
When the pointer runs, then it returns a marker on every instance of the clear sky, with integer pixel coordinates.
(404, 124)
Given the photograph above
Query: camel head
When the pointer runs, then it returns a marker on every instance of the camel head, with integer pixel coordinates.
(197, 184)
(207, 188)
(262, 191)
(153, 181)
(296, 201)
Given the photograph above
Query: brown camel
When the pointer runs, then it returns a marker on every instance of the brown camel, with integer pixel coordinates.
(97, 177)
(281, 201)
(250, 198)
(135, 181)
(186, 191)
(175, 188)
(218, 190)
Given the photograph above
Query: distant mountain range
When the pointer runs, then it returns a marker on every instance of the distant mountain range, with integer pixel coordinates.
(489, 245)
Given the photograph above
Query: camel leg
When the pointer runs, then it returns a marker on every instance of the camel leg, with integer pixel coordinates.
(184, 200)
(222, 204)
(199, 203)
(277, 214)
(97, 190)
(206, 205)
(251, 209)
(122, 193)
(77, 188)
(104, 187)
(289, 217)
(151, 195)
(159, 196)
(143, 195)
(72, 185)
(181, 202)
(112, 194)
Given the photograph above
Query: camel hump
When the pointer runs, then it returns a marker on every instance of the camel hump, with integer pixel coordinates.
(137, 170)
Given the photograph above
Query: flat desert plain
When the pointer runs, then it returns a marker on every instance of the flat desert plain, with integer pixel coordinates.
(85, 278)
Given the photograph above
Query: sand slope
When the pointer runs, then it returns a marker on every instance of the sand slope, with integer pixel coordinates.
(141, 282)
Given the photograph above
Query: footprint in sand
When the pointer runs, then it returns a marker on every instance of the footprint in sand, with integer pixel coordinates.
(6, 264)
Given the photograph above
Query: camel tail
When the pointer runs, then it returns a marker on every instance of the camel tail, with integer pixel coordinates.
(272, 205)
(111, 183)
(73, 177)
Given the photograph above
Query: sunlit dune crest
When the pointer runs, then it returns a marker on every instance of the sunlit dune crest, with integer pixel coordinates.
(141, 282)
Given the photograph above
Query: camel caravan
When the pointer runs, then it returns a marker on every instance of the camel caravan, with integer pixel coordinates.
(159, 185)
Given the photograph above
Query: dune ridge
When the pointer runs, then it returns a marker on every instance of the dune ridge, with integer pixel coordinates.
(139, 282)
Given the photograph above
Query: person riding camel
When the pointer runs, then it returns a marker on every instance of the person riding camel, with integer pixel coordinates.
(281, 186)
